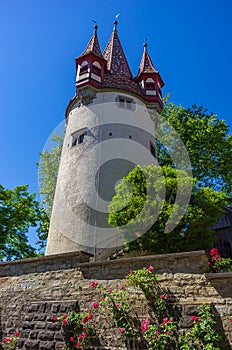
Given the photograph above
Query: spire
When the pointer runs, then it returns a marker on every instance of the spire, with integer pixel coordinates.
(116, 59)
(93, 45)
(146, 65)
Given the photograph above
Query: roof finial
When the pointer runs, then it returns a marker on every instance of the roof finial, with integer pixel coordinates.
(95, 26)
(145, 44)
(115, 21)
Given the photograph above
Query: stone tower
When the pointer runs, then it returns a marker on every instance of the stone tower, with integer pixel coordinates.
(110, 128)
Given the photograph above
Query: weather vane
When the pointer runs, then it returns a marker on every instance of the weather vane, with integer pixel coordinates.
(95, 26)
(115, 21)
(145, 42)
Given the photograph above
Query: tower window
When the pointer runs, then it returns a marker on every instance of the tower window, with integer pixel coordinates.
(125, 102)
(96, 70)
(83, 71)
(152, 149)
(78, 137)
(150, 86)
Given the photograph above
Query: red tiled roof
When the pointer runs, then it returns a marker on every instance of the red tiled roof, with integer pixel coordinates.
(118, 73)
(146, 65)
(93, 45)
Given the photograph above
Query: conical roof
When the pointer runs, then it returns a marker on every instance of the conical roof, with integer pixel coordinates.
(118, 71)
(116, 60)
(93, 45)
(146, 65)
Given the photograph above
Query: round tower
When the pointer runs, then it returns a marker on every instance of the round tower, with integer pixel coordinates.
(110, 128)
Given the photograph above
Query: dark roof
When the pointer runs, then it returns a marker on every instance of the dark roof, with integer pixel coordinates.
(146, 65)
(93, 45)
(118, 73)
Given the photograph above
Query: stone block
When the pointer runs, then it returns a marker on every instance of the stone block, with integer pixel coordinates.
(31, 345)
(28, 325)
(40, 317)
(40, 325)
(33, 307)
(46, 335)
(46, 345)
(55, 326)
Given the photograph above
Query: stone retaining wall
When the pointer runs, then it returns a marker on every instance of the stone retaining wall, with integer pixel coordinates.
(28, 301)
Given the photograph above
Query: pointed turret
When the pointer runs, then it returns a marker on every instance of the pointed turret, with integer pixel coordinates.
(90, 65)
(150, 80)
(93, 45)
(118, 73)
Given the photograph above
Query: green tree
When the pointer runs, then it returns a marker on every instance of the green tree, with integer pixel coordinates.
(144, 192)
(208, 143)
(48, 171)
(18, 212)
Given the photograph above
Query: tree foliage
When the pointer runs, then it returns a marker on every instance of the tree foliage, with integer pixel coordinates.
(208, 143)
(143, 187)
(18, 212)
(48, 171)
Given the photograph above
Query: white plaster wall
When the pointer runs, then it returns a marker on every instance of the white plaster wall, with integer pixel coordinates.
(76, 223)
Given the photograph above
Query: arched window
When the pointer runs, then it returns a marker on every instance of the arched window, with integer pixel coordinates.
(96, 71)
(83, 68)
(150, 87)
(96, 68)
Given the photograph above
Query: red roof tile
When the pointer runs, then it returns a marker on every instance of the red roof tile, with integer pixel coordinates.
(93, 45)
(146, 65)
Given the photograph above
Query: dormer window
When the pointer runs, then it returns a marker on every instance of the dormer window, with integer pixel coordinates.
(78, 137)
(96, 71)
(150, 87)
(83, 71)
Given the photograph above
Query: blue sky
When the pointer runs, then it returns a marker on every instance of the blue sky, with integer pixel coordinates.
(189, 43)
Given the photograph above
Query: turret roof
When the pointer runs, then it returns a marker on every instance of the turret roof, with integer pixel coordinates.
(146, 65)
(118, 71)
(93, 45)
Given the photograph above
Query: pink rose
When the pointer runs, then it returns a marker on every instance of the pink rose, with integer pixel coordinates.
(95, 305)
(214, 251)
(144, 325)
(72, 338)
(122, 330)
(150, 268)
(55, 318)
(65, 322)
(117, 304)
(94, 284)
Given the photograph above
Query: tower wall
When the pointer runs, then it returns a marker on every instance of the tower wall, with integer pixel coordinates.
(116, 136)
